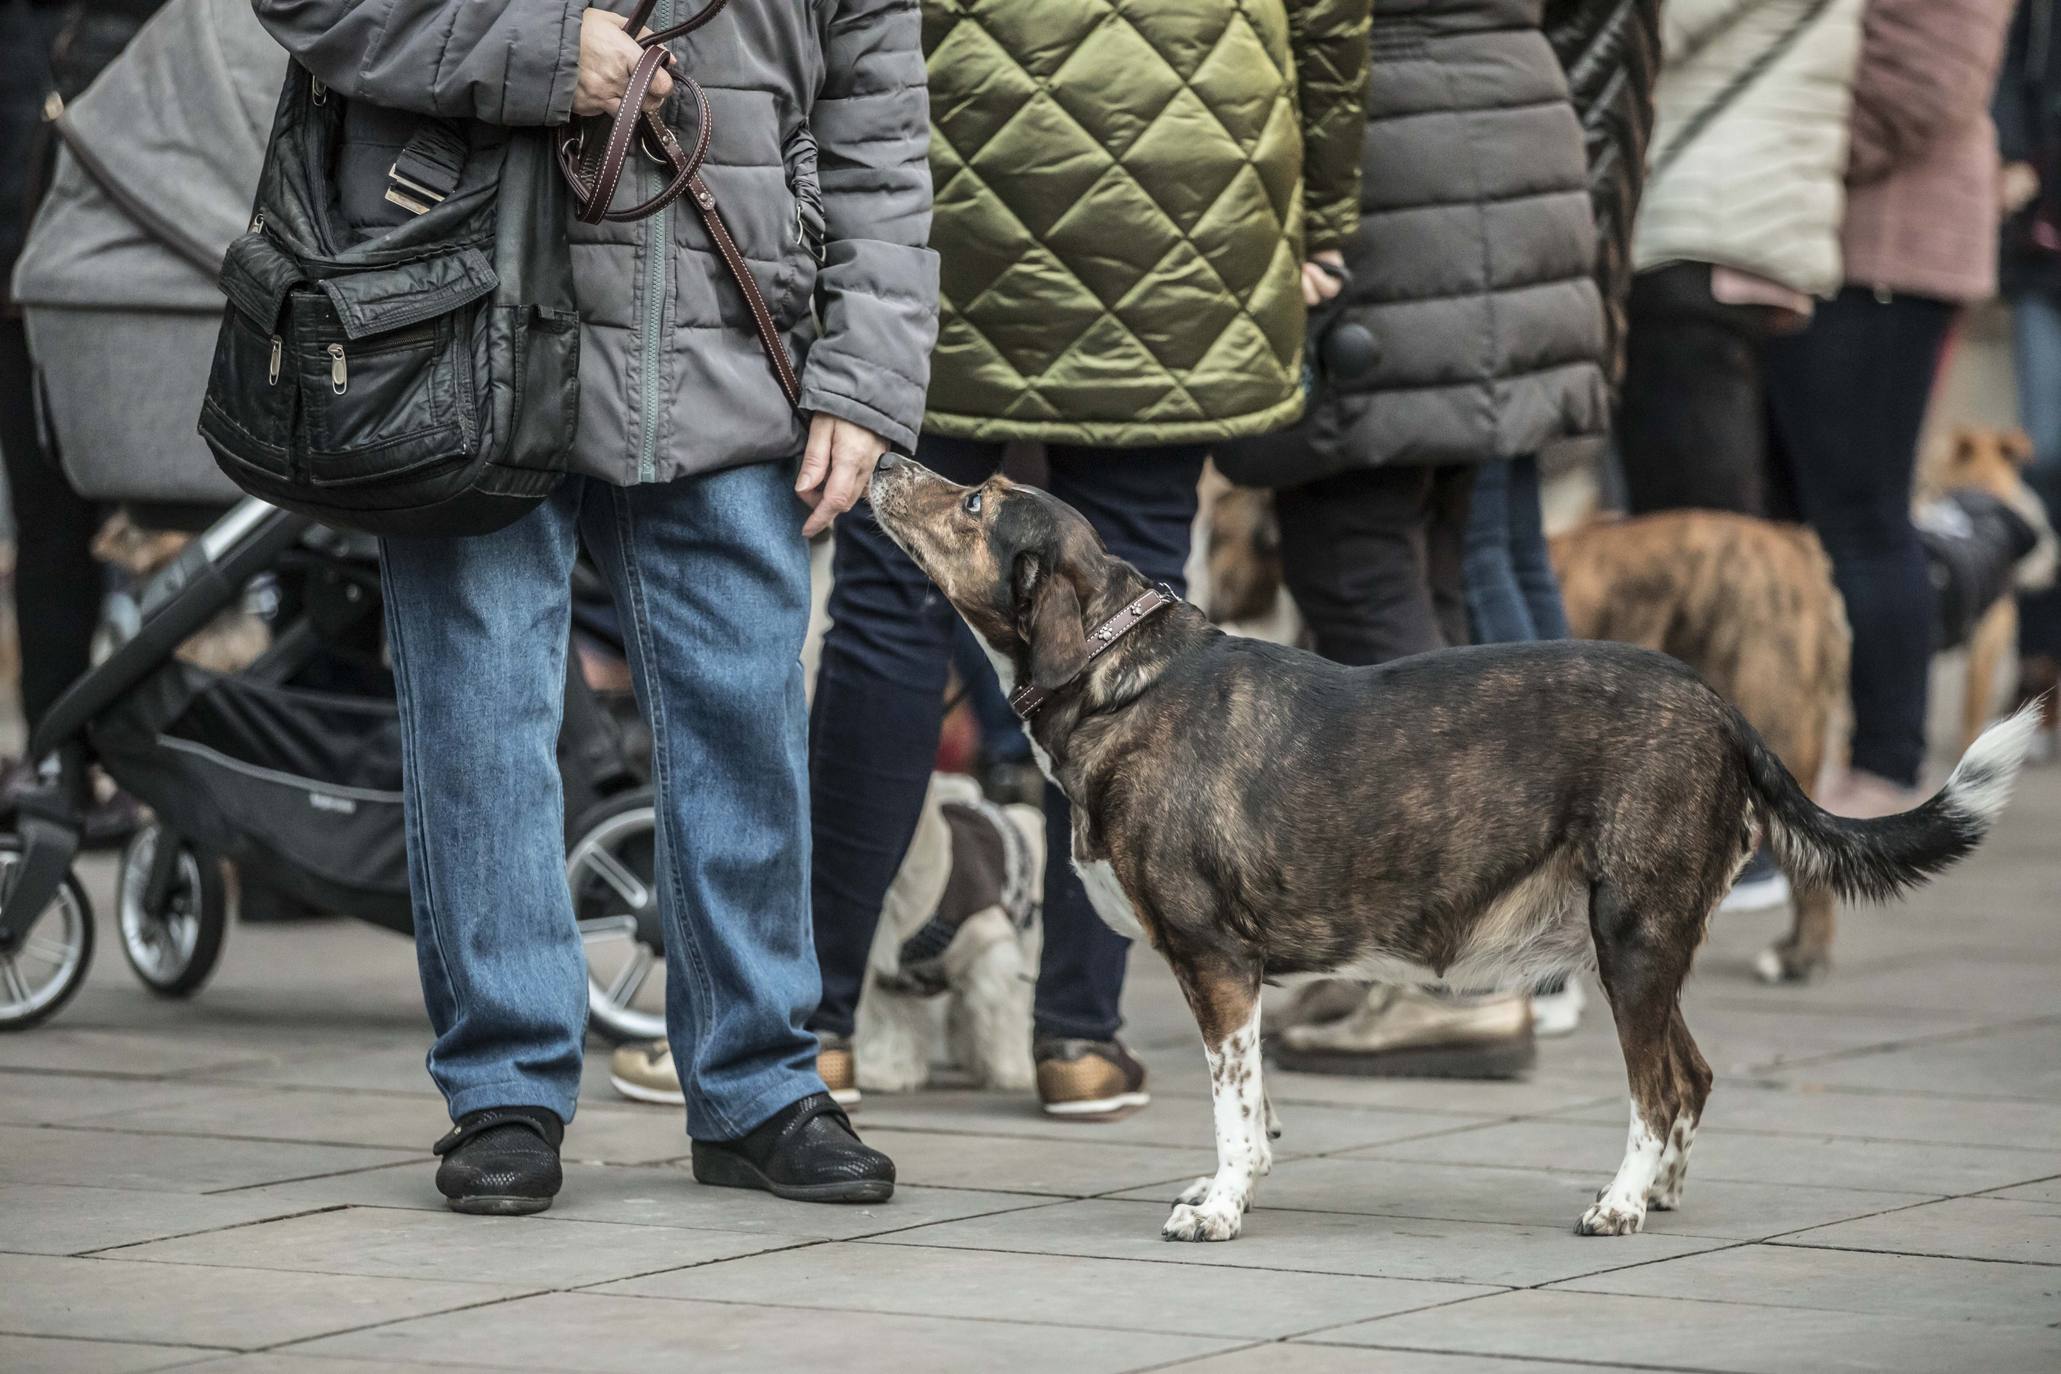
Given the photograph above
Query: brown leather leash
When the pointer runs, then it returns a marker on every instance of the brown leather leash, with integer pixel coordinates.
(593, 167)
(1026, 700)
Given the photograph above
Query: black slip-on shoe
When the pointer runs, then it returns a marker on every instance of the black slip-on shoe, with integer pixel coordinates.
(805, 1152)
(501, 1162)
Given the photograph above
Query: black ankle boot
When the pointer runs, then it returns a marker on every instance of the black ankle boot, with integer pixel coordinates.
(805, 1152)
(502, 1161)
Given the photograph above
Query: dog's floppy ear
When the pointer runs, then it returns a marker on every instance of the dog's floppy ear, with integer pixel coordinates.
(1048, 616)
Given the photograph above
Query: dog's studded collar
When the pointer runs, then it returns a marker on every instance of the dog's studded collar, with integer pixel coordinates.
(1026, 700)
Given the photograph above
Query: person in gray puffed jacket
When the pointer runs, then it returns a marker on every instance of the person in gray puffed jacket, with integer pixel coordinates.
(694, 488)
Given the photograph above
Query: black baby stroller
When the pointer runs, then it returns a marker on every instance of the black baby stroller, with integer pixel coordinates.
(288, 768)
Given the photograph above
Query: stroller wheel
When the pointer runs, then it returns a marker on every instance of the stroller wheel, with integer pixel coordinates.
(610, 867)
(44, 955)
(172, 921)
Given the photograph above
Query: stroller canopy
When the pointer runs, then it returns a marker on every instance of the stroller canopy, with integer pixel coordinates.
(160, 166)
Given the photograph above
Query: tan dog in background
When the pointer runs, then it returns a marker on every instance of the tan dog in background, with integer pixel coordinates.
(1751, 606)
(229, 643)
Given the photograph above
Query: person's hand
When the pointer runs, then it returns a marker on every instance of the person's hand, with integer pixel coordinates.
(2018, 185)
(1318, 285)
(836, 466)
(607, 57)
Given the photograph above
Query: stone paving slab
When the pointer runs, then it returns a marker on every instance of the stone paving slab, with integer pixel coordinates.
(1947, 1290)
(1179, 1299)
(619, 1335)
(1969, 1228)
(384, 1242)
(45, 1355)
(1319, 1242)
(1544, 1198)
(227, 1308)
(1715, 1336)
(1870, 1116)
(168, 1163)
(52, 1219)
(1308, 1358)
(1079, 1167)
(1178, 1120)
(1743, 1156)
(2023, 1062)
(663, 1196)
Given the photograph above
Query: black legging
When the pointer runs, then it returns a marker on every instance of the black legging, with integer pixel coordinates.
(56, 582)
(1847, 398)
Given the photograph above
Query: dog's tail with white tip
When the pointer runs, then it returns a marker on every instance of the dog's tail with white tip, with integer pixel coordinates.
(1879, 859)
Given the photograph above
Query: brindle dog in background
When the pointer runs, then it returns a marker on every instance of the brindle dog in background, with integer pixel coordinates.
(1485, 816)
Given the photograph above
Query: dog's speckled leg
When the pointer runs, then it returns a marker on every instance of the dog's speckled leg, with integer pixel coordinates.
(1214, 1209)
(1666, 1193)
(1620, 1209)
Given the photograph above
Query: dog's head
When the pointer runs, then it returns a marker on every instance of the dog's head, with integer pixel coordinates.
(1024, 569)
(1244, 554)
(1993, 461)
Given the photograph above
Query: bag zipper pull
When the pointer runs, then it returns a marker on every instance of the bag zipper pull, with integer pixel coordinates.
(318, 92)
(257, 223)
(278, 356)
(339, 372)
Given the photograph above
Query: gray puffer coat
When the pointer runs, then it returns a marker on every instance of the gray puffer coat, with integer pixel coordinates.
(1474, 263)
(819, 162)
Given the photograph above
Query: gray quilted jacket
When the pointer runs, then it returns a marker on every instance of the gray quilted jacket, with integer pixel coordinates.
(819, 162)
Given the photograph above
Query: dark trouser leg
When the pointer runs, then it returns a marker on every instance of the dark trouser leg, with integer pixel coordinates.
(1142, 503)
(1848, 397)
(874, 729)
(2036, 319)
(56, 582)
(1356, 553)
(1691, 429)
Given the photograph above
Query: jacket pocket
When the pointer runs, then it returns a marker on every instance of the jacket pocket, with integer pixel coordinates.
(383, 361)
(252, 405)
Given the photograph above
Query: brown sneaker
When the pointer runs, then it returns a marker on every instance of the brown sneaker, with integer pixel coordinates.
(1408, 1033)
(1089, 1080)
(839, 1072)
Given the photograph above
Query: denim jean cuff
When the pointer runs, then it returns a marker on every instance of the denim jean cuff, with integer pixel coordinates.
(515, 1092)
(739, 1119)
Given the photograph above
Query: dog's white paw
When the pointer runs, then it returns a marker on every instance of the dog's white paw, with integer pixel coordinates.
(1196, 1191)
(1611, 1217)
(1212, 1218)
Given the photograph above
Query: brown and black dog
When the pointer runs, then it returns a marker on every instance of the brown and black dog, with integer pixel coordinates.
(1481, 816)
(1750, 605)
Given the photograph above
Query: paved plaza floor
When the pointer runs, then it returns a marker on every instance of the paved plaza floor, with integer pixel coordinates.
(242, 1183)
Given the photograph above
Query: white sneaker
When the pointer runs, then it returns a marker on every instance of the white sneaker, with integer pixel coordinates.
(1761, 892)
(1555, 1014)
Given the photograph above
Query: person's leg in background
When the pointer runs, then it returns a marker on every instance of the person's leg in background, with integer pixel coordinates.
(1691, 422)
(1375, 561)
(873, 739)
(1530, 558)
(1848, 397)
(1497, 611)
(1355, 556)
(2036, 327)
(1142, 502)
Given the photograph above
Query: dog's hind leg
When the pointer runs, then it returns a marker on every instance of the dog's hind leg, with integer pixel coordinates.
(1642, 960)
(1692, 1088)
(1226, 1004)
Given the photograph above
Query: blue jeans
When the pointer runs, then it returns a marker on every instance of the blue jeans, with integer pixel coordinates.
(711, 578)
(1512, 595)
(876, 722)
(2036, 322)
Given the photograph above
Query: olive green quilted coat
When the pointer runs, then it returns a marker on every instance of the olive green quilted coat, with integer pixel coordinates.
(1124, 192)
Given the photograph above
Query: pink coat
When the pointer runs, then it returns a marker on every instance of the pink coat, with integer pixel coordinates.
(1921, 214)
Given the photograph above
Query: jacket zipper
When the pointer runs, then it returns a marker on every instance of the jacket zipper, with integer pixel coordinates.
(657, 248)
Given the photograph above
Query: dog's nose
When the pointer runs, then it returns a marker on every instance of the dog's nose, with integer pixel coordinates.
(889, 461)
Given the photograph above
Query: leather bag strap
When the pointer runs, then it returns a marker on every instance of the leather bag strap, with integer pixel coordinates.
(593, 167)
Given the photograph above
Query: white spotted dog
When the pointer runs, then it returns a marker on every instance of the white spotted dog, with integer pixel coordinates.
(1257, 813)
(959, 930)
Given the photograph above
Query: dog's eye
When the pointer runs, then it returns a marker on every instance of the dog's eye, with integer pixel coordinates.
(972, 502)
